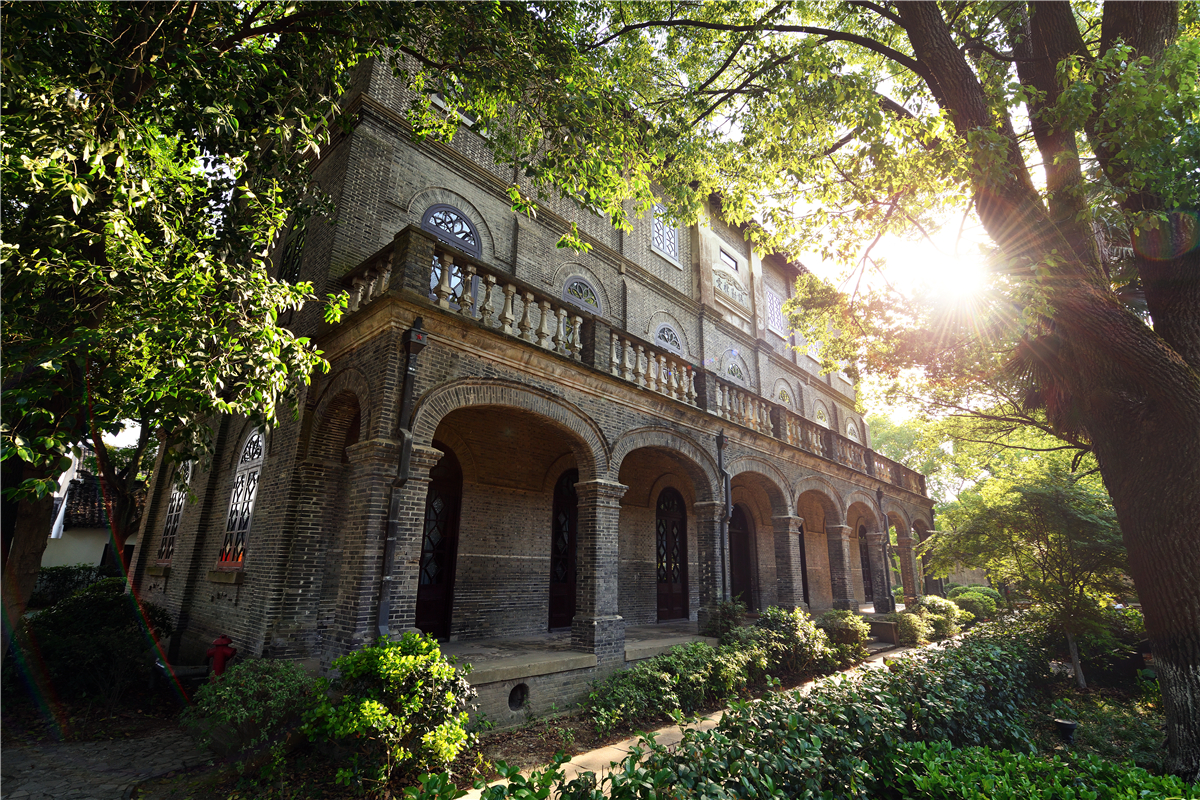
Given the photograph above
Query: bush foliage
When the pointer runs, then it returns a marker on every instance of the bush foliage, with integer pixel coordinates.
(988, 591)
(981, 606)
(59, 583)
(396, 709)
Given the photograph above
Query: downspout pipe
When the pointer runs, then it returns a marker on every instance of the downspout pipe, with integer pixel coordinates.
(726, 515)
(889, 602)
(414, 342)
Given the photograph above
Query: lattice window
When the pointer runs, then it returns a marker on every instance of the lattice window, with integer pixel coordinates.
(435, 552)
(452, 227)
(293, 252)
(179, 493)
(821, 415)
(784, 396)
(775, 319)
(241, 503)
(580, 292)
(664, 237)
(735, 371)
(667, 338)
(852, 432)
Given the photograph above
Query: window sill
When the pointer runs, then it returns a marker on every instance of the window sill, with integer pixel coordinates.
(159, 570)
(225, 576)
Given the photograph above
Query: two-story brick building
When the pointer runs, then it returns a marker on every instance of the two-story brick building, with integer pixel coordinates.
(515, 438)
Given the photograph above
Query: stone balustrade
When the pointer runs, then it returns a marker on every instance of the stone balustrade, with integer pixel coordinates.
(740, 406)
(463, 286)
(652, 368)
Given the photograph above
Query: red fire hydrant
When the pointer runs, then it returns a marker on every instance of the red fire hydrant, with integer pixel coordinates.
(220, 653)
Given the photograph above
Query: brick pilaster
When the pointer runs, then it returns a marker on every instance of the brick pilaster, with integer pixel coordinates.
(708, 536)
(412, 261)
(788, 541)
(840, 567)
(908, 566)
(883, 600)
(597, 627)
(408, 527)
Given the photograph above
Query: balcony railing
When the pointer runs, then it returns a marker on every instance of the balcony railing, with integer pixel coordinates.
(416, 263)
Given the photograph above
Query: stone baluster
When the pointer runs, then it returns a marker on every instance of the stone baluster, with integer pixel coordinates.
(561, 333)
(356, 294)
(577, 337)
(543, 329)
(639, 377)
(386, 277)
(657, 373)
(506, 314)
(614, 366)
(443, 290)
(485, 303)
(626, 359)
(466, 297)
(722, 408)
(691, 385)
(526, 323)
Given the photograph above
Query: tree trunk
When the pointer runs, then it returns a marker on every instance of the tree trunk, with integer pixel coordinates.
(1076, 664)
(31, 529)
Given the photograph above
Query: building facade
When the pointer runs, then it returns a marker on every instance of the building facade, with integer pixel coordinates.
(515, 438)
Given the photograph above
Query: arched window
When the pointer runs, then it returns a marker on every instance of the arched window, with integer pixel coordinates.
(179, 493)
(453, 227)
(580, 292)
(852, 432)
(241, 502)
(667, 338)
(664, 236)
(821, 414)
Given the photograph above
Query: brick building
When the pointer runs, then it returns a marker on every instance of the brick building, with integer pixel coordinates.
(516, 438)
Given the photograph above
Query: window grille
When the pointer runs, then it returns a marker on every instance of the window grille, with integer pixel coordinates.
(293, 252)
(852, 432)
(241, 503)
(166, 546)
(580, 292)
(666, 337)
(664, 237)
(821, 415)
(775, 319)
(452, 227)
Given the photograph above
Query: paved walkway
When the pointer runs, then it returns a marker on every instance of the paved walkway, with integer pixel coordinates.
(93, 770)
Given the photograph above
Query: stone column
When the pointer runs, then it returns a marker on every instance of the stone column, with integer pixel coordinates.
(597, 627)
(880, 579)
(708, 517)
(908, 566)
(840, 569)
(789, 538)
(407, 524)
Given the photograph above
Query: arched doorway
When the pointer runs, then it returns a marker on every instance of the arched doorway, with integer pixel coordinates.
(671, 549)
(439, 545)
(741, 557)
(864, 554)
(564, 526)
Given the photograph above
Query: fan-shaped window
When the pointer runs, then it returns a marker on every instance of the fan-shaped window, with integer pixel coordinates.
(179, 493)
(664, 236)
(667, 338)
(241, 501)
(852, 432)
(821, 415)
(580, 292)
(452, 227)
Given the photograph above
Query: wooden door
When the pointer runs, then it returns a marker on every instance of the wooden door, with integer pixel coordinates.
(671, 546)
(741, 557)
(864, 554)
(439, 546)
(564, 526)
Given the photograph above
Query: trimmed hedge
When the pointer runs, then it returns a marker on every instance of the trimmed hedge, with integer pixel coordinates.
(980, 605)
(987, 591)
(58, 583)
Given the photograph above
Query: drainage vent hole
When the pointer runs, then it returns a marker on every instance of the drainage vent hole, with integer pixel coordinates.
(518, 697)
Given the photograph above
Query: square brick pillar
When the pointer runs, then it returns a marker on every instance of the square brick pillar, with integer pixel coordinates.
(908, 566)
(406, 523)
(708, 538)
(840, 567)
(883, 600)
(597, 627)
(789, 538)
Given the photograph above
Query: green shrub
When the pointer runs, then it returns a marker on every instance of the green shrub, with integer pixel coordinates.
(921, 770)
(396, 709)
(988, 591)
(248, 712)
(980, 605)
(941, 626)
(96, 644)
(932, 604)
(911, 629)
(844, 627)
(59, 583)
(794, 644)
(723, 618)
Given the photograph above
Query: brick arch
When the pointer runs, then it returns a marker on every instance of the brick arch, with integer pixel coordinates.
(433, 195)
(776, 482)
(660, 317)
(569, 269)
(352, 381)
(704, 469)
(835, 513)
(592, 456)
(867, 500)
(244, 430)
(897, 515)
(919, 522)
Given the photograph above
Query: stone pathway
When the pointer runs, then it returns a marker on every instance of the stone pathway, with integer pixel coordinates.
(93, 770)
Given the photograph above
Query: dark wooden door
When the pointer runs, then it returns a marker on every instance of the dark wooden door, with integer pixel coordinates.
(864, 554)
(439, 546)
(564, 525)
(671, 546)
(741, 557)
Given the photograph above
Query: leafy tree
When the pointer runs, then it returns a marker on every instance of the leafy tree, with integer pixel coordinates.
(1050, 534)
